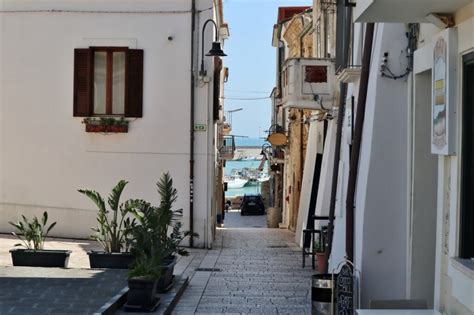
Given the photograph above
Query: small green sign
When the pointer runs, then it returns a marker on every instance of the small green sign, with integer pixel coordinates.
(200, 127)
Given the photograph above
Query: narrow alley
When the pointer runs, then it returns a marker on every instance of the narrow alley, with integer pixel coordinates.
(249, 270)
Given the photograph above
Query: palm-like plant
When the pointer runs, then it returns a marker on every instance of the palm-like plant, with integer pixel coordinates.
(151, 233)
(112, 232)
(34, 232)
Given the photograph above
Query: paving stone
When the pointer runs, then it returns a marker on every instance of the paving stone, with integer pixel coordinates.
(256, 277)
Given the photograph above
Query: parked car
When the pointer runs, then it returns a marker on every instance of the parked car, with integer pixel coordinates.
(252, 204)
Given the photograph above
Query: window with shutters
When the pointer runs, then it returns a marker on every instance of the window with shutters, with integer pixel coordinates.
(108, 81)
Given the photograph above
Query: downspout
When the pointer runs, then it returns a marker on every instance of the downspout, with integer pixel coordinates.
(191, 129)
(354, 163)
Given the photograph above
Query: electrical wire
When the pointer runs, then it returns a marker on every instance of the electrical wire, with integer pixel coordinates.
(242, 91)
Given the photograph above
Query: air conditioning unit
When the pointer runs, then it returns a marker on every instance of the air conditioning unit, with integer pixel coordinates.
(308, 83)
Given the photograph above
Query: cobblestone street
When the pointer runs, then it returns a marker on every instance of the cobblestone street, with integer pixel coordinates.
(251, 269)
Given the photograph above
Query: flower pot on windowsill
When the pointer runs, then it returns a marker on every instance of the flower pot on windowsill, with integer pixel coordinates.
(106, 128)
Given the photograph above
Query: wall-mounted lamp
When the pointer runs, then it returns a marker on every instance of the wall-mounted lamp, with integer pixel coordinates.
(350, 3)
(440, 20)
(216, 49)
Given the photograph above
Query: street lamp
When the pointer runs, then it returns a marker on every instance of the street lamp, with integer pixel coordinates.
(216, 49)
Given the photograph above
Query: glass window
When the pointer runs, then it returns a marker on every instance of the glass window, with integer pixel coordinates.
(118, 85)
(100, 82)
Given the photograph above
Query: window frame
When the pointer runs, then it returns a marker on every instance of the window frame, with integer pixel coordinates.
(84, 79)
(109, 79)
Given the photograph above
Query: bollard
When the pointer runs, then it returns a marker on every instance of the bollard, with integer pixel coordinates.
(273, 217)
(321, 292)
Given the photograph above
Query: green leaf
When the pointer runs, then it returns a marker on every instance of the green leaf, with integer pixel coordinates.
(114, 197)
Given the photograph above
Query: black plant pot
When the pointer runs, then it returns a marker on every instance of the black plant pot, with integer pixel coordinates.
(141, 295)
(40, 258)
(165, 283)
(99, 259)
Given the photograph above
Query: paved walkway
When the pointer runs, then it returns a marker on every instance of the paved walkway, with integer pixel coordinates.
(250, 270)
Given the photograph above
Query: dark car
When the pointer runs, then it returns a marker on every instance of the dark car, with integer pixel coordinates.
(252, 204)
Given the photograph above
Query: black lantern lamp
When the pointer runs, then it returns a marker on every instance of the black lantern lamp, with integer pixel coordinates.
(350, 3)
(216, 49)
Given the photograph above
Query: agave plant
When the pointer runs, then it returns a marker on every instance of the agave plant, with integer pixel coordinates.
(113, 230)
(34, 232)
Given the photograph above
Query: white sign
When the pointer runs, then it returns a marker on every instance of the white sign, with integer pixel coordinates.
(443, 113)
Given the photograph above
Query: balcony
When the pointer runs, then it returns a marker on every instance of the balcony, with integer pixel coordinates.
(227, 148)
(308, 83)
(414, 11)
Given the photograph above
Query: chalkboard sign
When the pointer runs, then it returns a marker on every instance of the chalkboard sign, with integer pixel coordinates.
(345, 291)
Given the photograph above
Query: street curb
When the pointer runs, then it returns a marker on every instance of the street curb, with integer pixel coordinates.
(113, 304)
(184, 284)
(116, 302)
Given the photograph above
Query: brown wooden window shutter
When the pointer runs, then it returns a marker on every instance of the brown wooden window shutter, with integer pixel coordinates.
(217, 87)
(82, 83)
(134, 91)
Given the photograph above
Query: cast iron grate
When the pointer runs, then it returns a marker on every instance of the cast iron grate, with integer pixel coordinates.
(277, 246)
(208, 269)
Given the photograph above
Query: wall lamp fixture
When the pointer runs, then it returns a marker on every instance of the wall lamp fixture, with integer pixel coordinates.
(350, 3)
(216, 49)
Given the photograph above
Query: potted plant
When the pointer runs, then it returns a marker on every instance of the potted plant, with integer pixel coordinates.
(32, 235)
(142, 281)
(151, 234)
(321, 256)
(113, 230)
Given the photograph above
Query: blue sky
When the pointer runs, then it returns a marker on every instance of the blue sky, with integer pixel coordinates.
(251, 61)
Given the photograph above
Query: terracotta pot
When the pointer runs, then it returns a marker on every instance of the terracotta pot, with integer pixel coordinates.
(106, 128)
(321, 259)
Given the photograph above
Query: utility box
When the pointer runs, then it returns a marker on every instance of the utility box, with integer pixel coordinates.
(308, 83)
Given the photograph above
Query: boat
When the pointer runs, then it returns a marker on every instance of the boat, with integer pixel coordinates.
(236, 182)
(263, 177)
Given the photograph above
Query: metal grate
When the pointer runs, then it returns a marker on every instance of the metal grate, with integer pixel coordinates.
(208, 269)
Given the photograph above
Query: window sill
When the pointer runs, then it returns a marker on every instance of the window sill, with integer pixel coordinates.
(466, 266)
(461, 272)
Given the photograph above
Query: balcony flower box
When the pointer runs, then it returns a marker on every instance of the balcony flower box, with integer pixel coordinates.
(106, 125)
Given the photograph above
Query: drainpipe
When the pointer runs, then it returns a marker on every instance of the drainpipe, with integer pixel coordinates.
(354, 163)
(191, 129)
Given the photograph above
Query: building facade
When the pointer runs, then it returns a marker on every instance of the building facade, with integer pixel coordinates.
(138, 61)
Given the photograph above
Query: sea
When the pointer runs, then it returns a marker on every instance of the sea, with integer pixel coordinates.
(238, 165)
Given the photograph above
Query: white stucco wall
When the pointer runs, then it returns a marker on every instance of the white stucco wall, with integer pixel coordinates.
(45, 154)
(380, 210)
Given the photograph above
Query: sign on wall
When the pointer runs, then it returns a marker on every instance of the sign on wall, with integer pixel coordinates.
(443, 112)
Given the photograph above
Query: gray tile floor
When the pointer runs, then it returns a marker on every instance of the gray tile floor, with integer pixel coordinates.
(258, 270)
